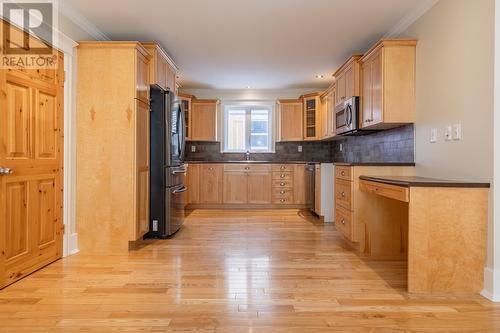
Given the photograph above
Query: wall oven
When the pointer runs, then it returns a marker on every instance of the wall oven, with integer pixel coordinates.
(347, 116)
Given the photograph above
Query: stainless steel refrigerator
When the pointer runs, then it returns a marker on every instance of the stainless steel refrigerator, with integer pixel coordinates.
(167, 169)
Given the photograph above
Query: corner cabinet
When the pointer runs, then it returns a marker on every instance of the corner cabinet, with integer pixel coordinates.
(203, 120)
(388, 84)
(290, 120)
(312, 116)
(112, 179)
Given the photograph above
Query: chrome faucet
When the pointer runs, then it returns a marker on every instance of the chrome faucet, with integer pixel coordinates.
(247, 155)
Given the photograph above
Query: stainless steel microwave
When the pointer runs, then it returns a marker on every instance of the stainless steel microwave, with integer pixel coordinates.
(347, 116)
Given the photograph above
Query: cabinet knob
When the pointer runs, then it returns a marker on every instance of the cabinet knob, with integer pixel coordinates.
(342, 173)
(342, 221)
(247, 168)
(283, 168)
(342, 194)
(282, 200)
(282, 176)
(282, 184)
(210, 169)
(282, 192)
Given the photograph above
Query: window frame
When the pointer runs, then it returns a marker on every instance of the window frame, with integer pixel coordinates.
(248, 106)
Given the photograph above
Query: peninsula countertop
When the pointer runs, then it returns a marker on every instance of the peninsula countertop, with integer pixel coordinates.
(416, 181)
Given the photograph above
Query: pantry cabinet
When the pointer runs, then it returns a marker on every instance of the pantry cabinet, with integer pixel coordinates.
(203, 120)
(290, 120)
(388, 76)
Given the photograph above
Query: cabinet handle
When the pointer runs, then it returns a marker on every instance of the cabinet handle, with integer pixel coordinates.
(282, 184)
(342, 221)
(282, 200)
(282, 192)
(342, 173)
(342, 194)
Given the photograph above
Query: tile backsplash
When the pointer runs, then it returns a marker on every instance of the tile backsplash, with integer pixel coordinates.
(395, 145)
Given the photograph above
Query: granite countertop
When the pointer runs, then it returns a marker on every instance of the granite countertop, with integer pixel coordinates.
(251, 162)
(374, 164)
(415, 181)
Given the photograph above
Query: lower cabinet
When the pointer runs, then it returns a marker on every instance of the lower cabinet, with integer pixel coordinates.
(244, 184)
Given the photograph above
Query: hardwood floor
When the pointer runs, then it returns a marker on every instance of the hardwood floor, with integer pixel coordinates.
(232, 272)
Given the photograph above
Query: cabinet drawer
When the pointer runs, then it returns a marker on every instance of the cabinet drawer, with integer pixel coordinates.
(247, 168)
(282, 183)
(283, 167)
(343, 172)
(283, 175)
(343, 222)
(282, 192)
(286, 199)
(386, 190)
(343, 194)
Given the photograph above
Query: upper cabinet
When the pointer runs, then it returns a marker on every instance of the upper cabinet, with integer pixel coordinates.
(328, 113)
(203, 120)
(388, 89)
(185, 101)
(162, 70)
(290, 119)
(347, 80)
(312, 116)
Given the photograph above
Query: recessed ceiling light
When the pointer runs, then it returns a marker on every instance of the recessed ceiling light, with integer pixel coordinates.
(320, 76)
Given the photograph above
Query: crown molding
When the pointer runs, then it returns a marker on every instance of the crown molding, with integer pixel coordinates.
(82, 21)
(410, 18)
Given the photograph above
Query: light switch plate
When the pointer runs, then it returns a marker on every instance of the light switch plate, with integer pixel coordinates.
(434, 135)
(193, 149)
(299, 149)
(447, 133)
(457, 132)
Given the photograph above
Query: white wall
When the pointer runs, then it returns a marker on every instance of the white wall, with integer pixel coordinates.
(455, 57)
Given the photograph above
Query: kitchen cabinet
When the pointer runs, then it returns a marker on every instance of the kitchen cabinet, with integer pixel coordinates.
(162, 70)
(259, 187)
(203, 120)
(388, 76)
(312, 116)
(347, 80)
(290, 120)
(317, 189)
(235, 187)
(185, 101)
(210, 184)
(300, 185)
(328, 113)
(113, 140)
(193, 183)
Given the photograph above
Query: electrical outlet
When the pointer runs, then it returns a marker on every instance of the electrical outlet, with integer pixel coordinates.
(341, 147)
(155, 225)
(193, 149)
(457, 132)
(299, 149)
(434, 135)
(447, 133)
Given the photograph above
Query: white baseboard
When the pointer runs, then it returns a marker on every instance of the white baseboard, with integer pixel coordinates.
(73, 244)
(491, 289)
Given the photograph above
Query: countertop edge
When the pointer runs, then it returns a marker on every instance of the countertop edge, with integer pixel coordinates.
(430, 183)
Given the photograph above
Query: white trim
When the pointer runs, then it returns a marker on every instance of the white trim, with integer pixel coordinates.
(81, 21)
(410, 18)
(490, 276)
(64, 43)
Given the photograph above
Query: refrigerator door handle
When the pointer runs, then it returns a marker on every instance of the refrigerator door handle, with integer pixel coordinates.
(179, 171)
(180, 190)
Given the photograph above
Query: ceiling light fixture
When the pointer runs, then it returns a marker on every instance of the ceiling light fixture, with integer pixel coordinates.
(320, 76)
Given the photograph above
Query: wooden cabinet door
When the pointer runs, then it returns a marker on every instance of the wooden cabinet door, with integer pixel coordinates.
(291, 114)
(186, 106)
(349, 82)
(340, 87)
(324, 117)
(312, 118)
(203, 121)
(331, 114)
(210, 184)
(193, 183)
(161, 71)
(300, 184)
(259, 187)
(376, 87)
(317, 190)
(142, 170)
(31, 145)
(142, 78)
(366, 94)
(235, 187)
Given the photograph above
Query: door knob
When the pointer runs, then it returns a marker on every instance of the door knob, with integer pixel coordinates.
(5, 171)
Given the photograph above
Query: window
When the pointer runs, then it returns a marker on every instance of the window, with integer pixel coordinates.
(248, 127)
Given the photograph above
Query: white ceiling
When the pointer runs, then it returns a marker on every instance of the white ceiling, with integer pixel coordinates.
(265, 44)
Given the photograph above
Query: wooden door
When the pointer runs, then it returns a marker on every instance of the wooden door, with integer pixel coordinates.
(259, 187)
(31, 197)
(193, 183)
(300, 184)
(142, 170)
(203, 121)
(210, 184)
(366, 96)
(376, 87)
(235, 187)
(340, 86)
(291, 114)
